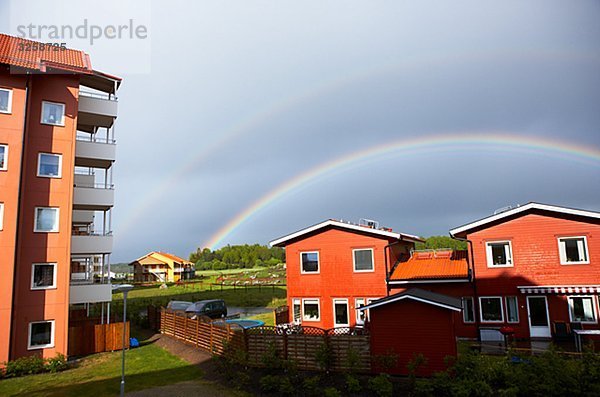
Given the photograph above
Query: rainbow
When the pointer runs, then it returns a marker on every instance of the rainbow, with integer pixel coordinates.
(434, 143)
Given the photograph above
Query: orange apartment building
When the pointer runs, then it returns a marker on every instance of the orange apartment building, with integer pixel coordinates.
(56, 155)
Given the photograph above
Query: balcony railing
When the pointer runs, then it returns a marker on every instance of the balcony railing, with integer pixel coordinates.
(99, 95)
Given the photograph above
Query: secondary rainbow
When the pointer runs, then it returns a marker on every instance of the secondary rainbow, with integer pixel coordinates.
(449, 142)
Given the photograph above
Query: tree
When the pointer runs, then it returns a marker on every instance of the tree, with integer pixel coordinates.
(439, 242)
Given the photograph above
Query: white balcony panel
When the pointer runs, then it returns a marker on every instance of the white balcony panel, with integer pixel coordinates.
(83, 217)
(90, 293)
(90, 245)
(86, 198)
(95, 111)
(94, 154)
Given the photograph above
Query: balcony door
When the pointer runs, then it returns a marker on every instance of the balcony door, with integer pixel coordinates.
(539, 323)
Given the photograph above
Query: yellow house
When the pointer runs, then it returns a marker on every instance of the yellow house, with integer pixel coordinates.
(161, 267)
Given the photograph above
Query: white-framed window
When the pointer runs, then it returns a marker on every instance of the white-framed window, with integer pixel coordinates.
(309, 262)
(582, 309)
(49, 165)
(3, 157)
(5, 100)
(46, 219)
(311, 310)
(468, 309)
(573, 250)
(1, 216)
(41, 335)
(361, 315)
(491, 309)
(512, 309)
(363, 260)
(53, 113)
(341, 315)
(499, 254)
(43, 275)
(296, 311)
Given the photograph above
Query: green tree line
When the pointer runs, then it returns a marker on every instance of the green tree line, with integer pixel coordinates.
(438, 242)
(237, 256)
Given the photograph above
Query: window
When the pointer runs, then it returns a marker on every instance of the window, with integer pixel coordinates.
(310, 310)
(573, 250)
(43, 276)
(490, 309)
(1, 216)
(468, 309)
(310, 262)
(363, 260)
(5, 100)
(582, 309)
(3, 157)
(361, 315)
(53, 113)
(340, 313)
(296, 311)
(46, 219)
(49, 165)
(41, 334)
(499, 254)
(512, 309)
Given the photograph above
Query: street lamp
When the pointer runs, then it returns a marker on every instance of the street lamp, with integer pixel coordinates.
(124, 288)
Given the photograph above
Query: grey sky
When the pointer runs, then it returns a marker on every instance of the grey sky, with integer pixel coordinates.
(297, 84)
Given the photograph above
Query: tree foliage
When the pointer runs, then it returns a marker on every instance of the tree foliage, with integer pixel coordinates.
(237, 256)
(438, 242)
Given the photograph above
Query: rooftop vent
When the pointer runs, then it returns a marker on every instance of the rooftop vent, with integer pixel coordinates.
(369, 223)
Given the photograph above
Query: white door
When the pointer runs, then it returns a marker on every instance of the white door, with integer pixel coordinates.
(341, 316)
(539, 323)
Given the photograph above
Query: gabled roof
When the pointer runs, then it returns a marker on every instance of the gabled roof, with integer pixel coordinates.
(440, 265)
(157, 255)
(417, 294)
(520, 210)
(173, 257)
(347, 226)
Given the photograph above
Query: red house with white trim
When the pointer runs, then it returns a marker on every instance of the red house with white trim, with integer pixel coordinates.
(334, 267)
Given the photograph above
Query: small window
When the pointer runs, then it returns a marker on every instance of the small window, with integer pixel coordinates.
(41, 334)
(43, 276)
(341, 317)
(46, 219)
(582, 309)
(310, 262)
(49, 165)
(53, 113)
(310, 310)
(363, 260)
(499, 254)
(296, 311)
(468, 309)
(1, 216)
(5, 100)
(512, 309)
(3, 157)
(361, 315)
(491, 310)
(573, 250)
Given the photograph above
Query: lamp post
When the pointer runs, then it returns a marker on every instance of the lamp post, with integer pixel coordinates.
(124, 288)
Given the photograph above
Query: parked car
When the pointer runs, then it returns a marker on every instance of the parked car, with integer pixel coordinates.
(214, 308)
(178, 305)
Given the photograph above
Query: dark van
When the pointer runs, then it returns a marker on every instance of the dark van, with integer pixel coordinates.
(214, 308)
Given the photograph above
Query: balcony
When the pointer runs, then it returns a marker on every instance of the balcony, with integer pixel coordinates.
(83, 217)
(89, 195)
(90, 293)
(91, 244)
(96, 110)
(94, 153)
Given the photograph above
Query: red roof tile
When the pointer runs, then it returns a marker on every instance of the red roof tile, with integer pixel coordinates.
(433, 265)
(16, 51)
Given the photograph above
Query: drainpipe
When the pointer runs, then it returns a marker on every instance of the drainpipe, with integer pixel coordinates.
(387, 270)
(19, 197)
(471, 264)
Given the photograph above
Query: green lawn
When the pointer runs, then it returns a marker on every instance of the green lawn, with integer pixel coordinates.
(267, 318)
(99, 375)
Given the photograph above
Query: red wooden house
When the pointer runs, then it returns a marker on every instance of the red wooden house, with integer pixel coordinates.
(335, 267)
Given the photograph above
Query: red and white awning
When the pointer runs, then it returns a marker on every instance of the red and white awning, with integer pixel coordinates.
(560, 289)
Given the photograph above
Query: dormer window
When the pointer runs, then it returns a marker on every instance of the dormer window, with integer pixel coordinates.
(499, 254)
(573, 250)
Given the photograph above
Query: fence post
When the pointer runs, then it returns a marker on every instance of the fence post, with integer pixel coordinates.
(197, 332)
(211, 337)
(185, 329)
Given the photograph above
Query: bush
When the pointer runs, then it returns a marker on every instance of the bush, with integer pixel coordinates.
(332, 392)
(269, 383)
(381, 385)
(285, 386)
(311, 386)
(324, 356)
(57, 364)
(353, 384)
(24, 366)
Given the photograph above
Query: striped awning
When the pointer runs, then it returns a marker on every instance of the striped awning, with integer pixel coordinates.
(560, 289)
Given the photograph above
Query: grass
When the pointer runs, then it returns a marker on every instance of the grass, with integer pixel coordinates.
(267, 318)
(147, 366)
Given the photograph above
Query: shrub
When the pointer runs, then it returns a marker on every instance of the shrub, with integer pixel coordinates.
(386, 361)
(269, 383)
(352, 360)
(325, 356)
(270, 358)
(381, 385)
(24, 366)
(285, 386)
(332, 392)
(353, 384)
(56, 364)
(311, 386)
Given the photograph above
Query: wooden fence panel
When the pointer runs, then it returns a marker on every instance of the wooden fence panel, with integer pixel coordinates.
(89, 339)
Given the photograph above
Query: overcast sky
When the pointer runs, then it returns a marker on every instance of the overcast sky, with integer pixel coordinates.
(236, 98)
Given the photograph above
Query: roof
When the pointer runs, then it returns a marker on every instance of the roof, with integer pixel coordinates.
(432, 265)
(347, 226)
(522, 209)
(172, 257)
(154, 255)
(420, 295)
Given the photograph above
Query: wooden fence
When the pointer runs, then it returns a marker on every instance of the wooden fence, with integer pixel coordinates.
(97, 338)
(341, 348)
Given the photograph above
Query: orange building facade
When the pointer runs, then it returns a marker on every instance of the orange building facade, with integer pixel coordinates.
(56, 154)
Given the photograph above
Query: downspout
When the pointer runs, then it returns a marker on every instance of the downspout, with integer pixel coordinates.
(387, 270)
(471, 264)
(26, 111)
